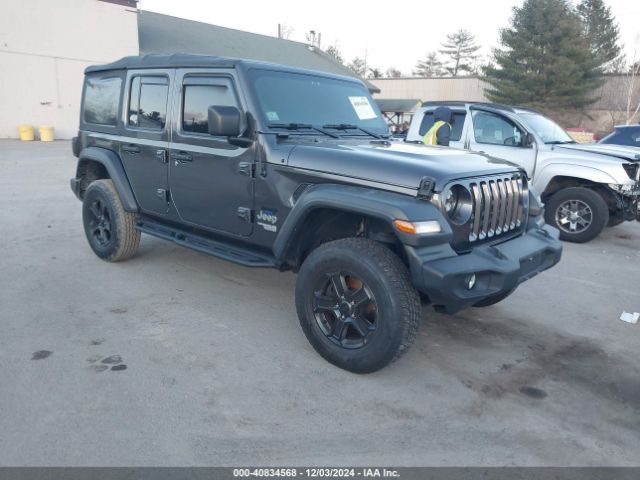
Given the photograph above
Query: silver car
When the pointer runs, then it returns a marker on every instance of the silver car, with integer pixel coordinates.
(585, 186)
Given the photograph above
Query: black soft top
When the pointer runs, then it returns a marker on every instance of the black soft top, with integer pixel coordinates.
(189, 60)
(174, 60)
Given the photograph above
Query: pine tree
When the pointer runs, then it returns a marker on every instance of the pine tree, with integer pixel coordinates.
(601, 30)
(460, 47)
(544, 59)
(431, 66)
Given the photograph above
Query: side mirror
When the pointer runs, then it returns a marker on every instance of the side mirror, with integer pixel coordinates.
(528, 140)
(224, 121)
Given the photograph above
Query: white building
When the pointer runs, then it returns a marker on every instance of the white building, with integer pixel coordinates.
(45, 46)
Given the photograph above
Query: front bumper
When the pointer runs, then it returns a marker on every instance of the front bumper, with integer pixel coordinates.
(627, 207)
(442, 274)
(75, 187)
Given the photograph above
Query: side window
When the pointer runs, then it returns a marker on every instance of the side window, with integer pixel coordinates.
(493, 129)
(199, 94)
(456, 128)
(101, 99)
(614, 138)
(626, 137)
(426, 124)
(148, 102)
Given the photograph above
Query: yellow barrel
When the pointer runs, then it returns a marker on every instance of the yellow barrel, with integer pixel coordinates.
(46, 133)
(25, 132)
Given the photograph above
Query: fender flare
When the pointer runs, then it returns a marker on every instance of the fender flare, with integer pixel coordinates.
(112, 163)
(386, 206)
(544, 177)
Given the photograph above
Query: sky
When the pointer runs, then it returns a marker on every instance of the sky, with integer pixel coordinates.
(391, 35)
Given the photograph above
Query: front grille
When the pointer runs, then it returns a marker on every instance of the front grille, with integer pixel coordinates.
(498, 206)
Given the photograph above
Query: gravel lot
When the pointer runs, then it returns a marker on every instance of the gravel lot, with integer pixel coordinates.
(218, 371)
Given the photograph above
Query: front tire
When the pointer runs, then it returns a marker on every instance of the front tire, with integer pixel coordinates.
(356, 304)
(578, 212)
(110, 230)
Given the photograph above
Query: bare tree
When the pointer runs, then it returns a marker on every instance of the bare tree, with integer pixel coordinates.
(334, 52)
(633, 97)
(620, 94)
(393, 72)
(358, 65)
(374, 73)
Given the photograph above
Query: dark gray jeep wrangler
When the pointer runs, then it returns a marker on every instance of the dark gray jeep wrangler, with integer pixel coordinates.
(270, 166)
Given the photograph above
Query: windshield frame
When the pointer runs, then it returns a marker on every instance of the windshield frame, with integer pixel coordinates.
(525, 116)
(264, 123)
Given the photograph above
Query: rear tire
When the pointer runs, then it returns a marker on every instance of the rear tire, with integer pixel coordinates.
(356, 304)
(110, 230)
(578, 212)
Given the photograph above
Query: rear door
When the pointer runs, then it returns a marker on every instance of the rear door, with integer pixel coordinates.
(145, 143)
(499, 136)
(211, 180)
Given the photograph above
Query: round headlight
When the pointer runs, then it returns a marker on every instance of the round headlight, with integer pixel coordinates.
(450, 201)
(458, 204)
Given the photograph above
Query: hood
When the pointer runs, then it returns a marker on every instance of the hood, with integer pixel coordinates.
(395, 163)
(618, 151)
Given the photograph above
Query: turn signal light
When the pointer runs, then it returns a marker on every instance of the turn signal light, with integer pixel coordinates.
(417, 228)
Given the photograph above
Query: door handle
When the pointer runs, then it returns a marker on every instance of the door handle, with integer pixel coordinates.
(161, 155)
(182, 157)
(131, 148)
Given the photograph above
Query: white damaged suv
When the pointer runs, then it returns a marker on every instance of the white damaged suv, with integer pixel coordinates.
(585, 186)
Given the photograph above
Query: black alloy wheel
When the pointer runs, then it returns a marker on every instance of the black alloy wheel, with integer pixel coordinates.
(99, 222)
(345, 309)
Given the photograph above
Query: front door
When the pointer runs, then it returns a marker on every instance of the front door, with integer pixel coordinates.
(145, 149)
(500, 137)
(211, 181)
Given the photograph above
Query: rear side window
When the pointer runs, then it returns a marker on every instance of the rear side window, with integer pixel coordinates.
(199, 94)
(456, 128)
(148, 102)
(101, 99)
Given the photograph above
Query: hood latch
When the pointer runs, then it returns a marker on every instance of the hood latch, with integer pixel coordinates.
(426, 188)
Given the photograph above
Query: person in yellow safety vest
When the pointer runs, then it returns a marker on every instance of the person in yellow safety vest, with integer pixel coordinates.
(440, 132)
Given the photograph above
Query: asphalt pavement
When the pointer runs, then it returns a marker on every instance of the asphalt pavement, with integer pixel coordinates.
(211, 367)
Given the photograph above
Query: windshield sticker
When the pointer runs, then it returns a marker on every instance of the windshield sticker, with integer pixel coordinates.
(272, 116)
(363, 108)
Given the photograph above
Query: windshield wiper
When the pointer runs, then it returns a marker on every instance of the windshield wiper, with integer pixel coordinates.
(348, 126)
(302, 126)
(559, 142)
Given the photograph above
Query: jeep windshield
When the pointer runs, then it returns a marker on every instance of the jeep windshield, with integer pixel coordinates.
(549, 131)
(312, 105)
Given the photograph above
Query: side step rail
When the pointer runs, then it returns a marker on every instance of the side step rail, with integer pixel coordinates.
(232, 253)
